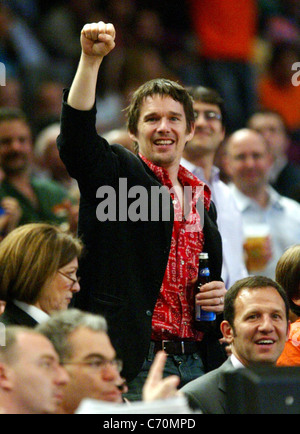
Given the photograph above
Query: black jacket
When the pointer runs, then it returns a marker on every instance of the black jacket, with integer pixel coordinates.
(125, 261)
(14, 316)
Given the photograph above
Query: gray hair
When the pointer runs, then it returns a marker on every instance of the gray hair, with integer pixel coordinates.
(62, 324)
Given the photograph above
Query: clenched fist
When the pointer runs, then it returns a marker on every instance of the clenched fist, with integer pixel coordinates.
(98, 39)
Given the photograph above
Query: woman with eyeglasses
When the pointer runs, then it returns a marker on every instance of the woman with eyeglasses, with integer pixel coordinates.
(38, 273)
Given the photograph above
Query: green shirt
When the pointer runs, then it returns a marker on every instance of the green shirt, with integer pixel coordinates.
(50, 196)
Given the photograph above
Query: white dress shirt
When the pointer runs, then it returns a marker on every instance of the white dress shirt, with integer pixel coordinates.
(282, 216)
(229, 223)
(37, 314)
(236, 363)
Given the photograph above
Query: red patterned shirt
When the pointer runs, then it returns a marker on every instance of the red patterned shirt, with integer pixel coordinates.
(174, 311)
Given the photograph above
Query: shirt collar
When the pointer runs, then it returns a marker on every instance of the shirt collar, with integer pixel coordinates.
(275, 198)
(199, 172)
(243, 202)
(236, 362)
(184, 175)
(186, 178)
(37, 314)
(188, 165)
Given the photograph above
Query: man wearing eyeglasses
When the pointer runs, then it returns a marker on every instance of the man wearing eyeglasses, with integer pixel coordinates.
(199, 155)
(87, 354)
(85, 351)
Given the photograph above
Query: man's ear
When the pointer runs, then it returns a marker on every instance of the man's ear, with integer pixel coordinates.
(191, 134)
(296, 300)
(6, 382)
(227, 331)
(132, 136)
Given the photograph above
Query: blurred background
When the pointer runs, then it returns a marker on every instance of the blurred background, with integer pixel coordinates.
(245, 49)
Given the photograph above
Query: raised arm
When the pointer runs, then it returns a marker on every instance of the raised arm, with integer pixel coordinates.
(97, 40)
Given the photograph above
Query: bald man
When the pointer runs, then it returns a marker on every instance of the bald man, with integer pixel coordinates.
(31, 378)
(248, 163)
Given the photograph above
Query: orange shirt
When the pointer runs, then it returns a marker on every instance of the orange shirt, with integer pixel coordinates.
(291, 353)
(286, 101)
(225, 28)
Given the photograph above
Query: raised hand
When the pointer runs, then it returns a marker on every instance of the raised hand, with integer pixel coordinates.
(98, 39)
(157, 387)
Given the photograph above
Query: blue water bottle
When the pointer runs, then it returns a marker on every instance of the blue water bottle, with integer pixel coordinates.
(203, 278)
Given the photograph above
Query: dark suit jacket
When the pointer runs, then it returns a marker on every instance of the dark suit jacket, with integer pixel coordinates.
(14, 316)
(125, 261)
(288, 180)
(208, 393)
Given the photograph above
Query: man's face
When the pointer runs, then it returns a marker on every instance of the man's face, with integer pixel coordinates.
(272, 129)
(15, 146)
(38, 379)
(260, 326)
(162, 131)
(87, 378)
(248, 161)
(209, 131)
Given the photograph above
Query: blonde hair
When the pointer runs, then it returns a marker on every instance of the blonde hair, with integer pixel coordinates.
(288, 271)
(30, 256)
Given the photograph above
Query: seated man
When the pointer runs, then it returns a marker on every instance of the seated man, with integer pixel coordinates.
(256, 325)
(85, 350)
(31, 378)
(36, 199)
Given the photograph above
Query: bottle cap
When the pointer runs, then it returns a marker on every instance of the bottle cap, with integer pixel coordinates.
(203, 256)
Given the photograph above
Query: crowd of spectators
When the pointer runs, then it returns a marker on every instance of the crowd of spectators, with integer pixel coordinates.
(247, 51)
(192, 42)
